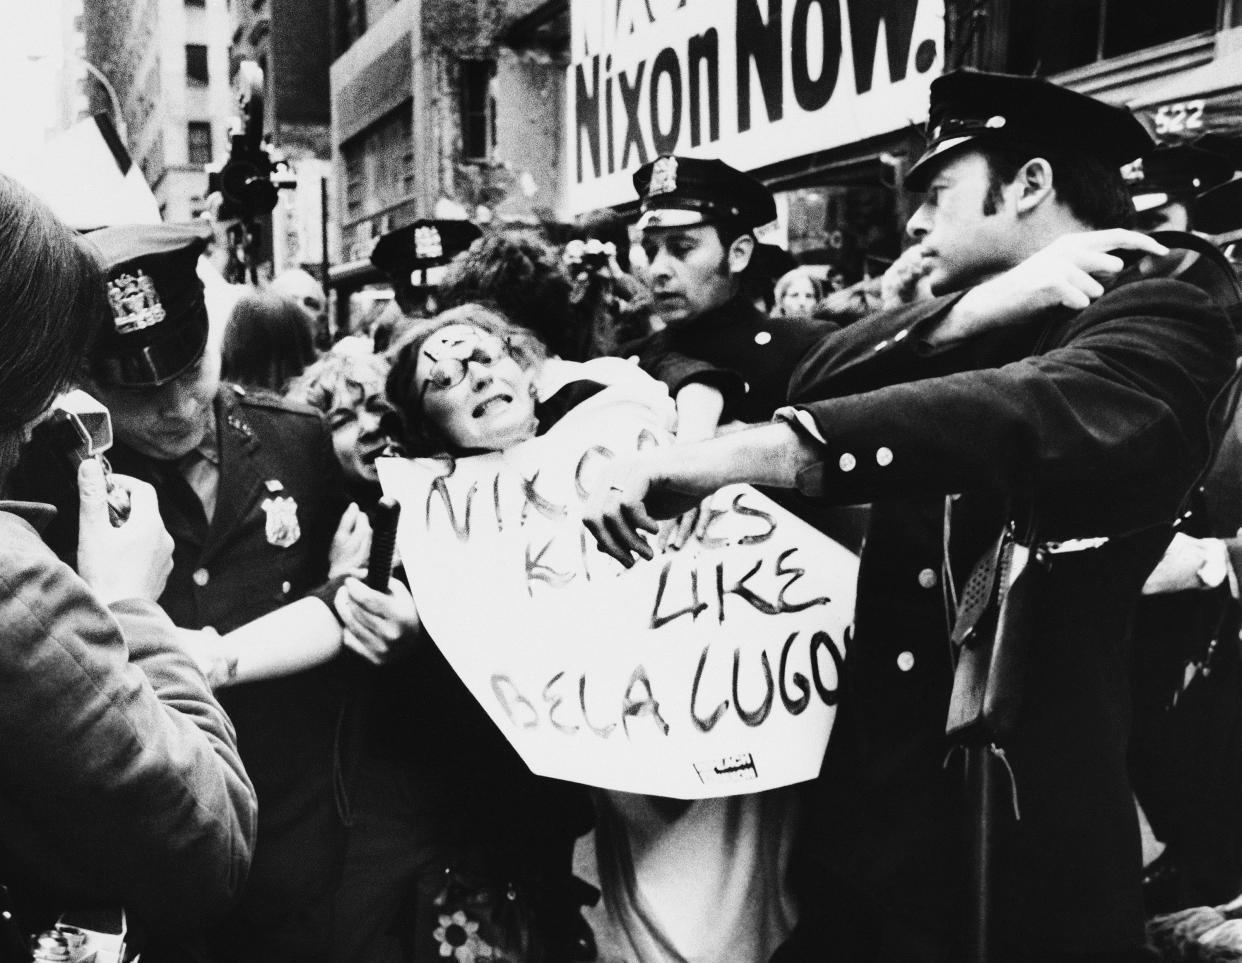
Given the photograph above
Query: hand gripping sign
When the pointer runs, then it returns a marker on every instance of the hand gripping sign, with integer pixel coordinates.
(709, 671)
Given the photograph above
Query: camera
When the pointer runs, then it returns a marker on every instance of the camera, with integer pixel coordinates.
(592, 255)
(78, 427)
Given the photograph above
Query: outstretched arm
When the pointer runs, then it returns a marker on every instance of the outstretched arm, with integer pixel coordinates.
(663, 482)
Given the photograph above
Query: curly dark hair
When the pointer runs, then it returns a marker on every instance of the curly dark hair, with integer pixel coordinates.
(405, 425)
(337, 378)
(522, 275)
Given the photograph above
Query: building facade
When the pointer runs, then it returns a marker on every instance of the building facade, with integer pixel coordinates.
(443, 109)
(1178, 66)
(168, 62)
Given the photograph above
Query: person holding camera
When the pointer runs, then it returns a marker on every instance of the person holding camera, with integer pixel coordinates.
(120, 782)
(266, 545)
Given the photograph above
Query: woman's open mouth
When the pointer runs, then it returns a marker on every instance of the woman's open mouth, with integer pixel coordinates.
(485, 407)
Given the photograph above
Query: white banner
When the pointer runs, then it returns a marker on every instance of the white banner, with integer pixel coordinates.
(752, 82)
(710, 671)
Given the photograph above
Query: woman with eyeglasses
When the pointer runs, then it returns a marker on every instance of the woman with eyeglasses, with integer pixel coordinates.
(454, 843)
(469, 382)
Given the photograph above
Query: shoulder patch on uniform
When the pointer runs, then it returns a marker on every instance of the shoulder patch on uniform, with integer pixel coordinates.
(262, 398)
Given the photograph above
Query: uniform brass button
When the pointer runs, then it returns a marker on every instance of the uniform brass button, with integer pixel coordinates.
(905, 661)
(901, 335)
(201, 577)
(285, 587)
(884, 457)
(763, 337)
(847, 462)
(746, 387)
(881, 346)
(632, 359)
(927, 578)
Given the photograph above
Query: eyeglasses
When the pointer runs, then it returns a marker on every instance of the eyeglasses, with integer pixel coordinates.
(449, 369)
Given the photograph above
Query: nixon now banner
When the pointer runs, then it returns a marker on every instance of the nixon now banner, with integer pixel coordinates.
(709, 671)
(752, 82)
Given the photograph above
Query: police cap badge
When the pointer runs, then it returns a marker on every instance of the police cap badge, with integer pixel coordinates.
(682, 191)
(157, 323)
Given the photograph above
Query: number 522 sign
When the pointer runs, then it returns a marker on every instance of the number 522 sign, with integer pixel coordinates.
(1179, 119)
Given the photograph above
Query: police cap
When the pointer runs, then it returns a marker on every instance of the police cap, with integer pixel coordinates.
(157, 324)
(986, 109)
(422, 244)
(682, 191)
(1173, 173)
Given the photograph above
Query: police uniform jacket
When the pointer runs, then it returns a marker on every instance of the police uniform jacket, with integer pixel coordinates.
(229, 573)
(749, 357)
(736, 348)
(120, 783)
(1091, 424)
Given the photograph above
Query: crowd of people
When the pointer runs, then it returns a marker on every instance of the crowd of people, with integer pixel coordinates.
(1026, 430)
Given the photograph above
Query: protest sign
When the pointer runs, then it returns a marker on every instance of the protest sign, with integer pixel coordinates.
(709, 671)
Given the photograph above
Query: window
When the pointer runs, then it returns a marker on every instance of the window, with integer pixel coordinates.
(196, 64)
(407, 152)
(379, 164)
(198, 141)
(391, 144)
(1049, 36)
(352, 20)
(354, 153)
(478, 109)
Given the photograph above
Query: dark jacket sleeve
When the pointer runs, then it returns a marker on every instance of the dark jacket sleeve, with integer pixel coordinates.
(1122, 394)
(120, 781)
(676, 370)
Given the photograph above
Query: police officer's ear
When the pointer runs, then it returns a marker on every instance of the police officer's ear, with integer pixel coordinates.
(740, 252)
(1034, 183)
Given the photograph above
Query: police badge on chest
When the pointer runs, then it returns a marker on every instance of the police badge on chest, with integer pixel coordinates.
(282, 519)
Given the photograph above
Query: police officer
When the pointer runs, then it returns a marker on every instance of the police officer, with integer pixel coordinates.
(1165, 183)
(721, 356)
(405, 254)
(120, 783)
(252, 493)
(1041, 387)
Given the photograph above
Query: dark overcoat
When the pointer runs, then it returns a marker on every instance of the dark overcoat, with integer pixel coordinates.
(1094, 423)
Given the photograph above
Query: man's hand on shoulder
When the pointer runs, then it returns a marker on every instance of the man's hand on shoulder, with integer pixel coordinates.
(1070, 272)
